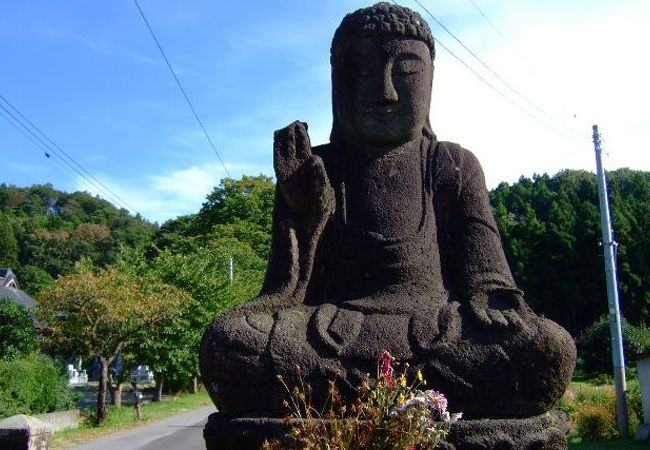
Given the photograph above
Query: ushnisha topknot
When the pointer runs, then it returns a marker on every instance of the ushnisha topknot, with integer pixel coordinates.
(381, 19)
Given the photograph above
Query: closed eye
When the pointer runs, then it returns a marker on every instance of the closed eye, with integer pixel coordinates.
(408, 66)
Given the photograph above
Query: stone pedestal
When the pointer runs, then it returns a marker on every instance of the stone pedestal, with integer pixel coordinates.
(544, 432)
(23, 432)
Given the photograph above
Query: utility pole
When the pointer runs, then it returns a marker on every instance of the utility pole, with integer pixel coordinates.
(612, 291)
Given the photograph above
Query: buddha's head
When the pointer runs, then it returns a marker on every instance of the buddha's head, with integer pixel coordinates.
(382, 69)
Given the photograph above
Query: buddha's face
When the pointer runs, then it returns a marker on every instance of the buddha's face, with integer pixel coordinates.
(386, 91)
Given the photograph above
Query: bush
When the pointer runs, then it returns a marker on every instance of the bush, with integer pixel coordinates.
(33, 385)
(17, 332)
(596, 421)
(595, 349)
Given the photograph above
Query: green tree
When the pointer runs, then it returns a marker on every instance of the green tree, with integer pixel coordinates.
(249, 199)
(99, 312)
(551, 232)
(17, 331)
(595, 345)
(33, 279)
(204, 275)
(8, 243)
(241, 209)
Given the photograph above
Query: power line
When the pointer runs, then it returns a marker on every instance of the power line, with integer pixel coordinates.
(520, 58)
(490, 85)
(113, 195)
(180, 86)
(494, 27)
(45, 149)
(497, 76)
(51, 149)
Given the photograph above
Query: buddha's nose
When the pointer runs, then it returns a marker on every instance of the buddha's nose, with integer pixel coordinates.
(388, 94)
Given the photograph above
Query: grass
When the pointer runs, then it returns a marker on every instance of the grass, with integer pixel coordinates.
(583, 392)
(123, 418)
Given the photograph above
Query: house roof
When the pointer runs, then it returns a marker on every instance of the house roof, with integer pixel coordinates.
(17, 296)
(7, 278)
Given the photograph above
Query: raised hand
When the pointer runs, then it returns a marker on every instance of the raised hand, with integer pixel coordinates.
(301, 175)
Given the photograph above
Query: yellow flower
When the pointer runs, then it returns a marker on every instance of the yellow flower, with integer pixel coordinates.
(402, 380)
(401, 399)
(420, 378)
(373, 394)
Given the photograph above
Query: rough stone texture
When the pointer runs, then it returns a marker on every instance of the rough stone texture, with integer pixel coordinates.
(23, 432)
(384, 239)
(61, 420)
(544, 432)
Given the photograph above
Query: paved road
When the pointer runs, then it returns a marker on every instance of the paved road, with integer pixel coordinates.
(180, 432)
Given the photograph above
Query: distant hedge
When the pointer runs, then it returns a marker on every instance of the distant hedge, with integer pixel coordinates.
(595, 348)
(33, 385)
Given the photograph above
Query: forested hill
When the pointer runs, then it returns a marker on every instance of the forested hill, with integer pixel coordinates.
(551, 231)
(43, 232)
(550, 227)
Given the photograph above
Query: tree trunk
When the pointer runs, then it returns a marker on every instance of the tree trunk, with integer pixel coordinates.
(102, 412)
(195, 385)
(159, 378)
(116, 393)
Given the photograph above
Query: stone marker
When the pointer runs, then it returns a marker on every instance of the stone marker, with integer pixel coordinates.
(384, 239)
(23, 432)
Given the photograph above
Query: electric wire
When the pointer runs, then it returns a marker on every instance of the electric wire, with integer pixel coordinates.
(497, 76)
(182, 89)
(52, 151)
(492, 25)
(494, 88)
(46, 151)
(106, 189)
(520, 57)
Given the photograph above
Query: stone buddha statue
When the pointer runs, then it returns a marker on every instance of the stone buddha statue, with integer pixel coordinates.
(385, 239)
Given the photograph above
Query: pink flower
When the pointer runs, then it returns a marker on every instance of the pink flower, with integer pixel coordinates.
(386, 371)
(436, 400)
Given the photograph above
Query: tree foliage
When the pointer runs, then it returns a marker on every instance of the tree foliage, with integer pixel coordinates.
(51, 230)
(204, 274)
(236, 209)
(8, 243)
(249, 199)
(17, 332)
(99, 312)
(551, 232)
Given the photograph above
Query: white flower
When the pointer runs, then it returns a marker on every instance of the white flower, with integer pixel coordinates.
(455, 417)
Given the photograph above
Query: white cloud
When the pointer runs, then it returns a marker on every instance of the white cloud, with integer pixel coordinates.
(159, 197)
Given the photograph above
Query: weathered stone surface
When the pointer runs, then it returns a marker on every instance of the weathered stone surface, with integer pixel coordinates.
(384, 239)
(544, 432)
(60, 420)
(23, 432)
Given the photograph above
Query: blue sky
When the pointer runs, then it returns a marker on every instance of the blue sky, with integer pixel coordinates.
(89, 75)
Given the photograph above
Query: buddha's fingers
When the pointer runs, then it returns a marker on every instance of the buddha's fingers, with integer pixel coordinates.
(515, 320)
(480, 315)
(284, 146)
(497, 318)
(301, 140)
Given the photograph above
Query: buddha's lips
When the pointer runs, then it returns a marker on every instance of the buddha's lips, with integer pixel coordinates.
(387, 111)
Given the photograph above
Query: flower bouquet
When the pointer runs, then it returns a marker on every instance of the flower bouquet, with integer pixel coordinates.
(390, 412)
